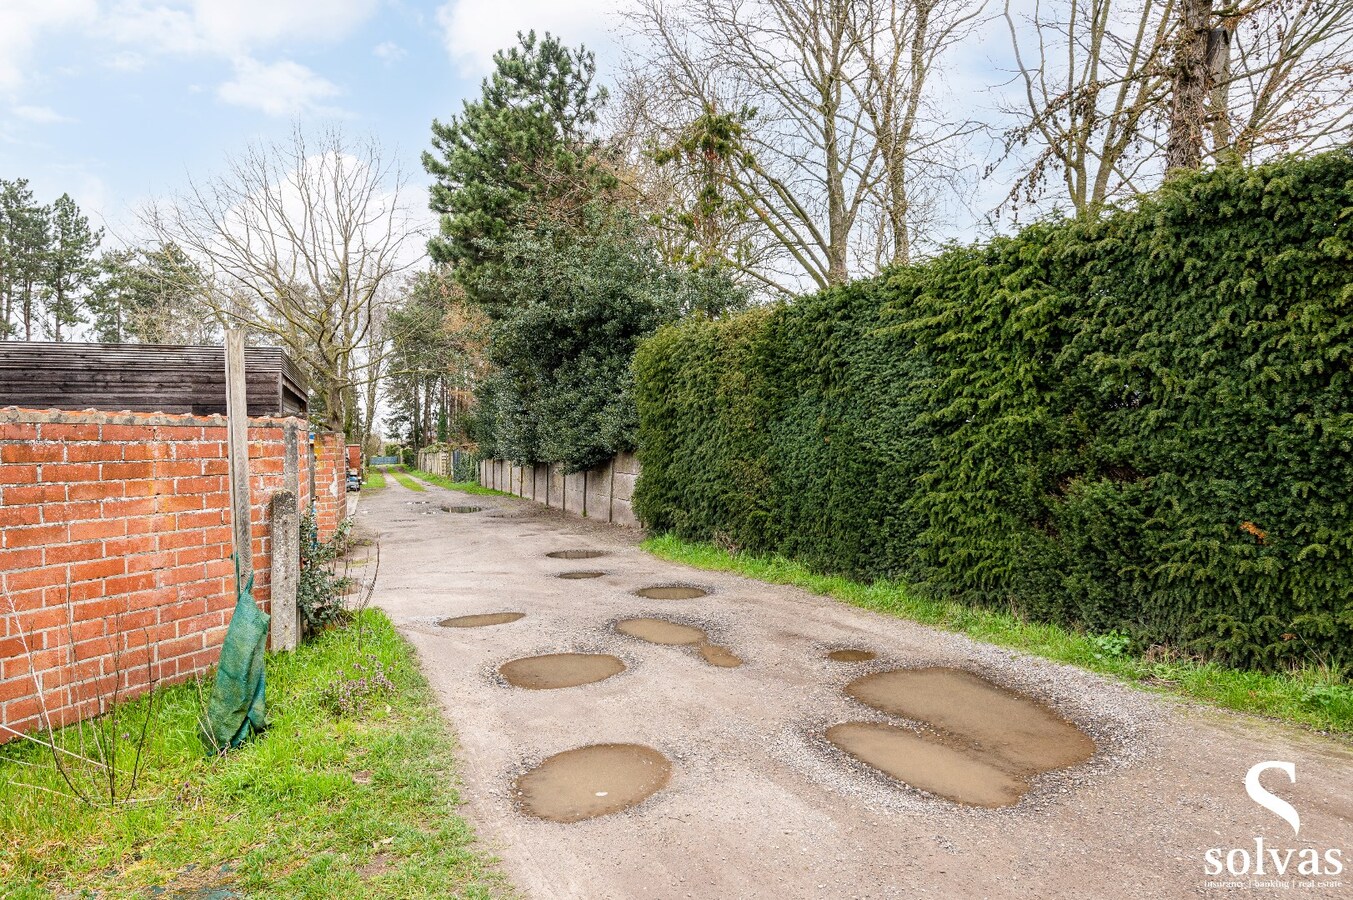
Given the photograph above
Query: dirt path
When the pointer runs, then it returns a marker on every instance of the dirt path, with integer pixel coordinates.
(758, 804)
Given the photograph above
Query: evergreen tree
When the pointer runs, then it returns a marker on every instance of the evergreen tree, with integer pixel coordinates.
(24, 240)
(152, 295)
(68, 266)
(517, 156)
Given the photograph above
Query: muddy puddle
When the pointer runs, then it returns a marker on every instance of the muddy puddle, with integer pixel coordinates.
(576, 554)
(592, 781)
(574, 576)
(851, 655)
(481, 620)
(462, 509)
(927, 764)
(1016, 732)
(660, 631)
(671, 592)
(560, 670)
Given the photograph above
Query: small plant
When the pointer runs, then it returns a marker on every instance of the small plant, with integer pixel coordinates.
(319, 593)
(349, 694)
(1329, 697)
(1110, 646)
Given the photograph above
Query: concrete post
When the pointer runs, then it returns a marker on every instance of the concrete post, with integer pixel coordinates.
(286, 570)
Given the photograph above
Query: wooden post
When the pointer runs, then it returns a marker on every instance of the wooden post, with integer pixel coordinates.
(237, 437)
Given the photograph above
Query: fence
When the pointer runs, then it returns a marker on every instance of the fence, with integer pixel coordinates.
(602, 493)
(115, 548)
(442, 462)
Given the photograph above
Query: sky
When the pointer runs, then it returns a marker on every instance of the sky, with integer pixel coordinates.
(118, 101)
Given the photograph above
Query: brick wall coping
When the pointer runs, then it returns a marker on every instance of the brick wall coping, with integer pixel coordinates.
(15, 415)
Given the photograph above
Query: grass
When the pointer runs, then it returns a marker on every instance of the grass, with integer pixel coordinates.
(321, 805)
(375, 479)
(1311, 696)
(469, 487)
(406, 481)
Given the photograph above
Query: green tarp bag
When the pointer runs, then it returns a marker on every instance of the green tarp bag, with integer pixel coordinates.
(237, 708)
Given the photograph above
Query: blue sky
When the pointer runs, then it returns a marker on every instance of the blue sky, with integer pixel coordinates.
(116, 101)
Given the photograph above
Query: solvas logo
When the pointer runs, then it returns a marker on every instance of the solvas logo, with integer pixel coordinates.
(1302, 867)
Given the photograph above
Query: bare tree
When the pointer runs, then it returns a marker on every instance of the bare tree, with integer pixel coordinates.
(807, 114)
(1116, 93)
(302, 243)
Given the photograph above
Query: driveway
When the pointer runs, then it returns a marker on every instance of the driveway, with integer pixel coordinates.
(759, 804)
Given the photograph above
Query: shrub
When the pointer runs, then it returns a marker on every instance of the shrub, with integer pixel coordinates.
(319, 591)
(1140, 426)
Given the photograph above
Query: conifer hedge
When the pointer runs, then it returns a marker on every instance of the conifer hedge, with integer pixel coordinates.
(1141, 424)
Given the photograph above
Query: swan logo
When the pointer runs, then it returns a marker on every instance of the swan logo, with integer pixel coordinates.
(1274, 866)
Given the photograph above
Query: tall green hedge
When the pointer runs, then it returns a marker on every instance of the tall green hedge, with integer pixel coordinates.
(1141, 424)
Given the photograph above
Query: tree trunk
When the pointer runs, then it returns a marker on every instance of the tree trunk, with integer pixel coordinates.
(1188, 112)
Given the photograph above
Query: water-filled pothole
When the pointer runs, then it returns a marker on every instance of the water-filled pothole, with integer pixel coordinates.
(560, 670)
(671, 592)
(851, 654)
(660, 631)
(576, 554)
(462, 509)
(592, 781)
(927, 764)
(573, 576)
(479, 621)
(1014, 732)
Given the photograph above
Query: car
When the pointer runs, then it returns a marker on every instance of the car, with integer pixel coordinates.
(354, 481)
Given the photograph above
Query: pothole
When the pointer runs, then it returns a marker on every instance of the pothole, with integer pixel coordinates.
(851, 654)
(462, 509)
(481, 620)
(560, 670)
(671, 592)
(576, 554)
(1015, 732)
(719, 656)
(661, 631)
(592, 781)
(573, 576)
(927, 764)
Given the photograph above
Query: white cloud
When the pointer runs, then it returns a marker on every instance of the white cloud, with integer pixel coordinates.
(21, 21)
(473, 30)
(283, 88)
(42, 115)
(389, 52)
(233, 26)
(126, 62)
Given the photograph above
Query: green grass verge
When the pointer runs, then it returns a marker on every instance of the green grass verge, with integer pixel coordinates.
(321, 805)
(375, 479)
(406, 481)
(1310, 696)
(469, 487)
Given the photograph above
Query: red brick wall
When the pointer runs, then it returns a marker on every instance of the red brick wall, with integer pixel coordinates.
(331, 492)
(115, 538)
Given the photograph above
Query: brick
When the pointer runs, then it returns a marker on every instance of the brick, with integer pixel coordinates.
(71, 512)
(200, 450)
(148, 562)
(123, 507)
(97, 490)
(97, 569)
(132, 452)
(127, 471)
(57, 554)
(37, 536)
(156, 524)
(18, 431)
(70, 472)
(97, 530)
(19, 474)
(204, 519)
(173, 540)
(178, 433)
(56, 431)
(31, 453)
(100, 452)
(178, 503)
(44, 576)
(14, 516)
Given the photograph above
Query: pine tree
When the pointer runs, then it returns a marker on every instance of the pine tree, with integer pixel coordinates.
(24, 240)
(68, 266)
(520, 154)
